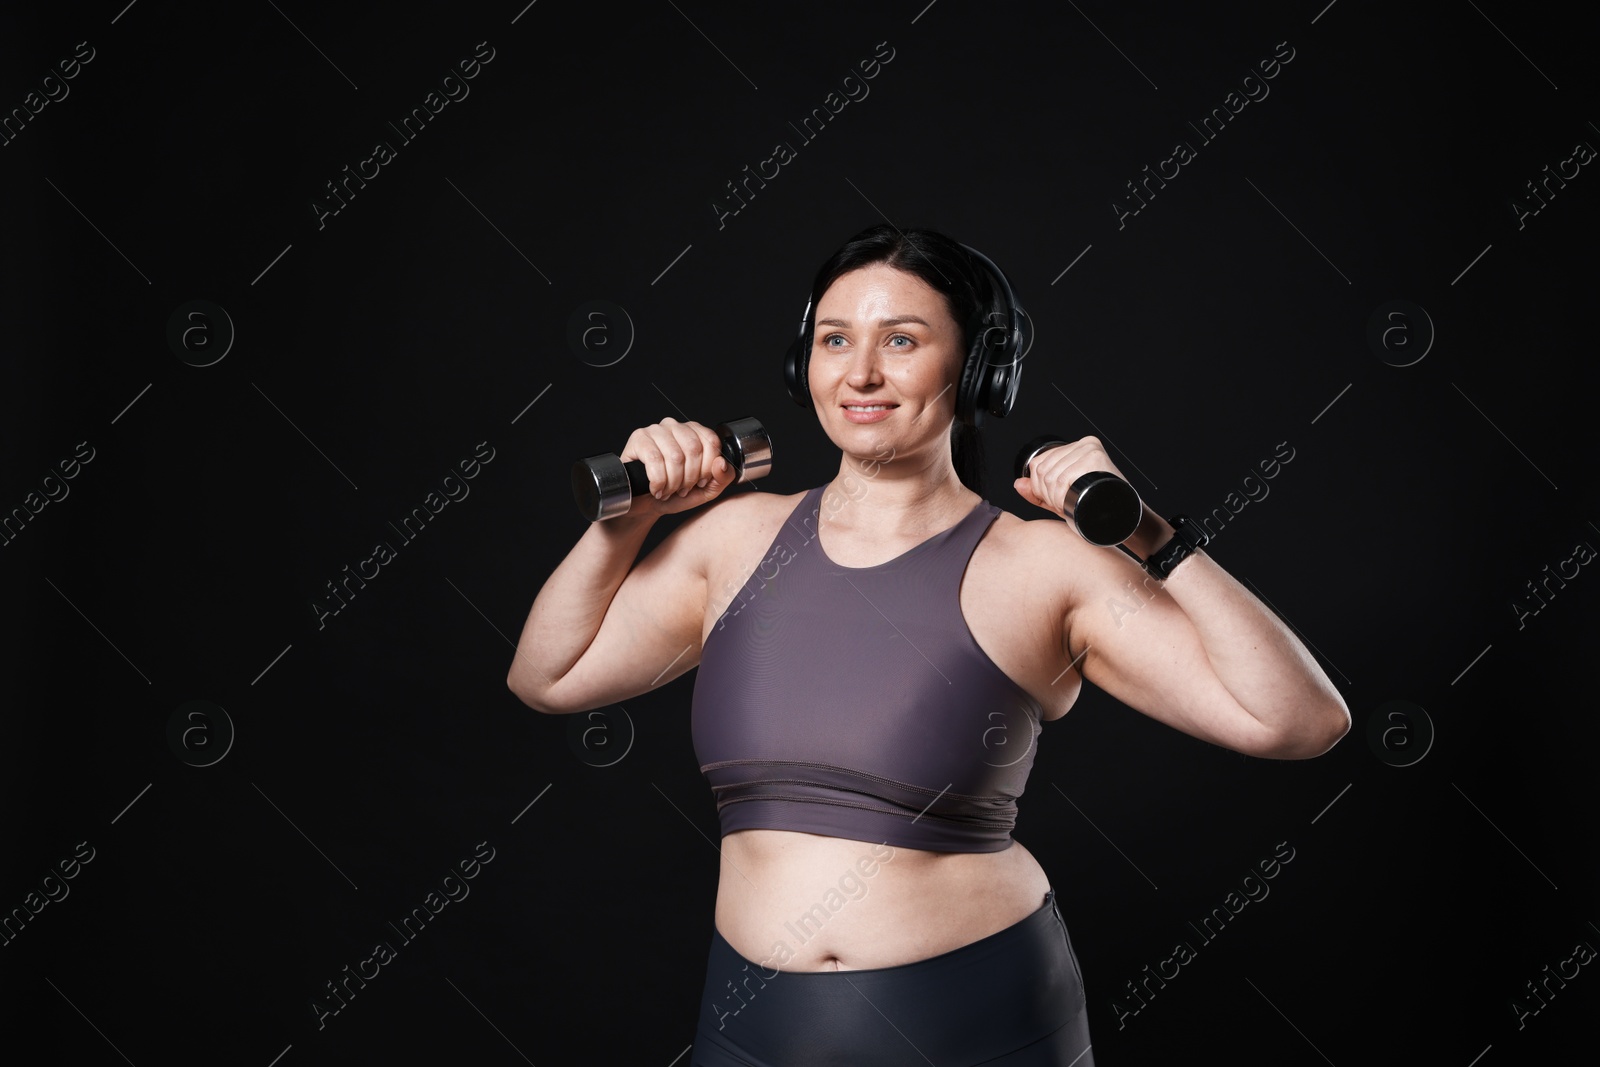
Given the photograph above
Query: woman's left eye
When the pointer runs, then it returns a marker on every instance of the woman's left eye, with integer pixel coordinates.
(900, 337)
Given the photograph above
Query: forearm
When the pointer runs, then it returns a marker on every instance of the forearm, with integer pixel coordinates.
(1258, 659)
(569, 609)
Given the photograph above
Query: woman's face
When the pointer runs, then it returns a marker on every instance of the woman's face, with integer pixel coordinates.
(884, 337)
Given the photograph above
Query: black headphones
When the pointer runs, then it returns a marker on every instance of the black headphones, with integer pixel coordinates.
(993, 368)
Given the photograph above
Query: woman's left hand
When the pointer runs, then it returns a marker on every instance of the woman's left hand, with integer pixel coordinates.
(1052, 472)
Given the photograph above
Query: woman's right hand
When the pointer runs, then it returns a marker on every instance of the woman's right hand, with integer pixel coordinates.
(684, 463)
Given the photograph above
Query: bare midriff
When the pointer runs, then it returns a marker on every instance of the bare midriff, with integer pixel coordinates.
(795, 901)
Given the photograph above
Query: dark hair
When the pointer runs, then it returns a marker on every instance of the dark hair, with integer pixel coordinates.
(945, 266)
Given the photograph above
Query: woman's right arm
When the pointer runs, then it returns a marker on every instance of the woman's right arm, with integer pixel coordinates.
(602, 629)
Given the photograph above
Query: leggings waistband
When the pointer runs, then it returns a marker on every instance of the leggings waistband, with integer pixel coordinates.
(1002, 993)
(1042, 918)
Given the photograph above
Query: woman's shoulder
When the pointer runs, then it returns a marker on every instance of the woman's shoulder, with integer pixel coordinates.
(1033, 540)
(758, 505)
(736, 520)
(1009, 525)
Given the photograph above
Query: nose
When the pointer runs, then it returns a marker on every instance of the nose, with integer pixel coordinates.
(863, 367)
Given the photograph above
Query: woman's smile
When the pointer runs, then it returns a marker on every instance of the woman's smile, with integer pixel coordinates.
(872, 413)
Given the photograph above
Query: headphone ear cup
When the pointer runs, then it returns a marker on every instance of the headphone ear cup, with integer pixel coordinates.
(988, 365)
(1007, 370)
(968, 393)
(1002, 395)
(796, 362)
(997, 370)
(794, 372)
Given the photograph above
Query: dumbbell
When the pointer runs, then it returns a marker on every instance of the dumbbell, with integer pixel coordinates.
(604, 486)
(1105, 509)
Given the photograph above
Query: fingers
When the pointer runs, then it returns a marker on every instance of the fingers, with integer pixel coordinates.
(678, 457)
(1043, 474)
(713, 467)
(1025, 489)
(701, 472)
(1053, 473)
(657, 448)
(1069, 453)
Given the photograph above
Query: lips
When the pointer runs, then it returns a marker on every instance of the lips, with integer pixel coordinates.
(873, 412)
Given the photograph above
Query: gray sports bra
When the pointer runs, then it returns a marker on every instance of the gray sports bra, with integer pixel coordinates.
(854, 702)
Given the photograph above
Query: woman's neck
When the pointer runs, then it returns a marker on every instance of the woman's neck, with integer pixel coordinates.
(892, 500)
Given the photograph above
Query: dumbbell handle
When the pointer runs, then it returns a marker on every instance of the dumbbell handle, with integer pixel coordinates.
(1105, 509)
(604, 486)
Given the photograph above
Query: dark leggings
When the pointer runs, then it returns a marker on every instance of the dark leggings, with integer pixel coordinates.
(1014, 998)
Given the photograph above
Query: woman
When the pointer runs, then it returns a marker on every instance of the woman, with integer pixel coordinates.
(876, 657)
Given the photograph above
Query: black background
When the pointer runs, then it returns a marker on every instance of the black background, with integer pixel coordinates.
(375, 351)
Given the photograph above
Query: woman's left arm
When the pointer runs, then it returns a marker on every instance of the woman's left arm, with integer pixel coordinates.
(1197, 651)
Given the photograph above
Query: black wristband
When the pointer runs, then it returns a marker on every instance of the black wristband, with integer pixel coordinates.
(1187, 537)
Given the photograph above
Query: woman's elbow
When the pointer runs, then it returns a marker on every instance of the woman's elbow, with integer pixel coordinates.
(531, 695)
(1316, 736)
